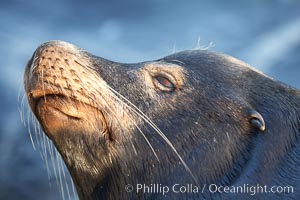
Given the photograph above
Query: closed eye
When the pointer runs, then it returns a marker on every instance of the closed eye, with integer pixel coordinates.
(163, 83)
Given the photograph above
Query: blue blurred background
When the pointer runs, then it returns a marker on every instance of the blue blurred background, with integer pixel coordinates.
(264, 33)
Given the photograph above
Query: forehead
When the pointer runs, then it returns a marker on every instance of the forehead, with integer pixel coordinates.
(175, 69)
(198, 60)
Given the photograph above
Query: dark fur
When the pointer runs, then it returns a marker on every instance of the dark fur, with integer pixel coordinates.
(207, 120)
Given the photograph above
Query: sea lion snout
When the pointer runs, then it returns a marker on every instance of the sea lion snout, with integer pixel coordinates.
(59, 68)
(56, 81)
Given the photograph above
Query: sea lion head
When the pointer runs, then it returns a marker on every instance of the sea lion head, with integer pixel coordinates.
(191, 117)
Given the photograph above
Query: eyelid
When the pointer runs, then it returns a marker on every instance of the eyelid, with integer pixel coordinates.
(164, 81)
(166, 75)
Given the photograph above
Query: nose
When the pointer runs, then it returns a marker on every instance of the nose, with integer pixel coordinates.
(57, 44)
(52, 54)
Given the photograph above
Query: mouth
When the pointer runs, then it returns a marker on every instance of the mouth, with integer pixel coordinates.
(64, 101)
(61, 104)
(57, 111)
(53, 100)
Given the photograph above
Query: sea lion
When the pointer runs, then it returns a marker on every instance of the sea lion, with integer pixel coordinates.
(194, 119)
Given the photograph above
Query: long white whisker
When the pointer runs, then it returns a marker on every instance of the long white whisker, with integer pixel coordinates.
(22, 110)
(146, 139)
(64, 176)
(29, 114)
(43, 83)
(30, 134)
(73, 190)
(52, 157)
(111, 110)
(151, 123)
(60, 175)
(36, 132)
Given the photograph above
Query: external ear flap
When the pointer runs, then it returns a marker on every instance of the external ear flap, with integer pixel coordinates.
(256, 120)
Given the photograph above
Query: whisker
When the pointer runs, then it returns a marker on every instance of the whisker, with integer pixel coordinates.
(177, 61)
(46, 154)
(33, 64)
(61, 188)
(151, 123)
(133, 147)
(36, 125)
(49, 152)
(54, 164)
(111, 110)
(148, 142)
(30, 134)
(21, 103)
(64, 176)
(137, 111)
(43, 84)
(22, 110)
(29, 127)
(75, 196)
(142, 133)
